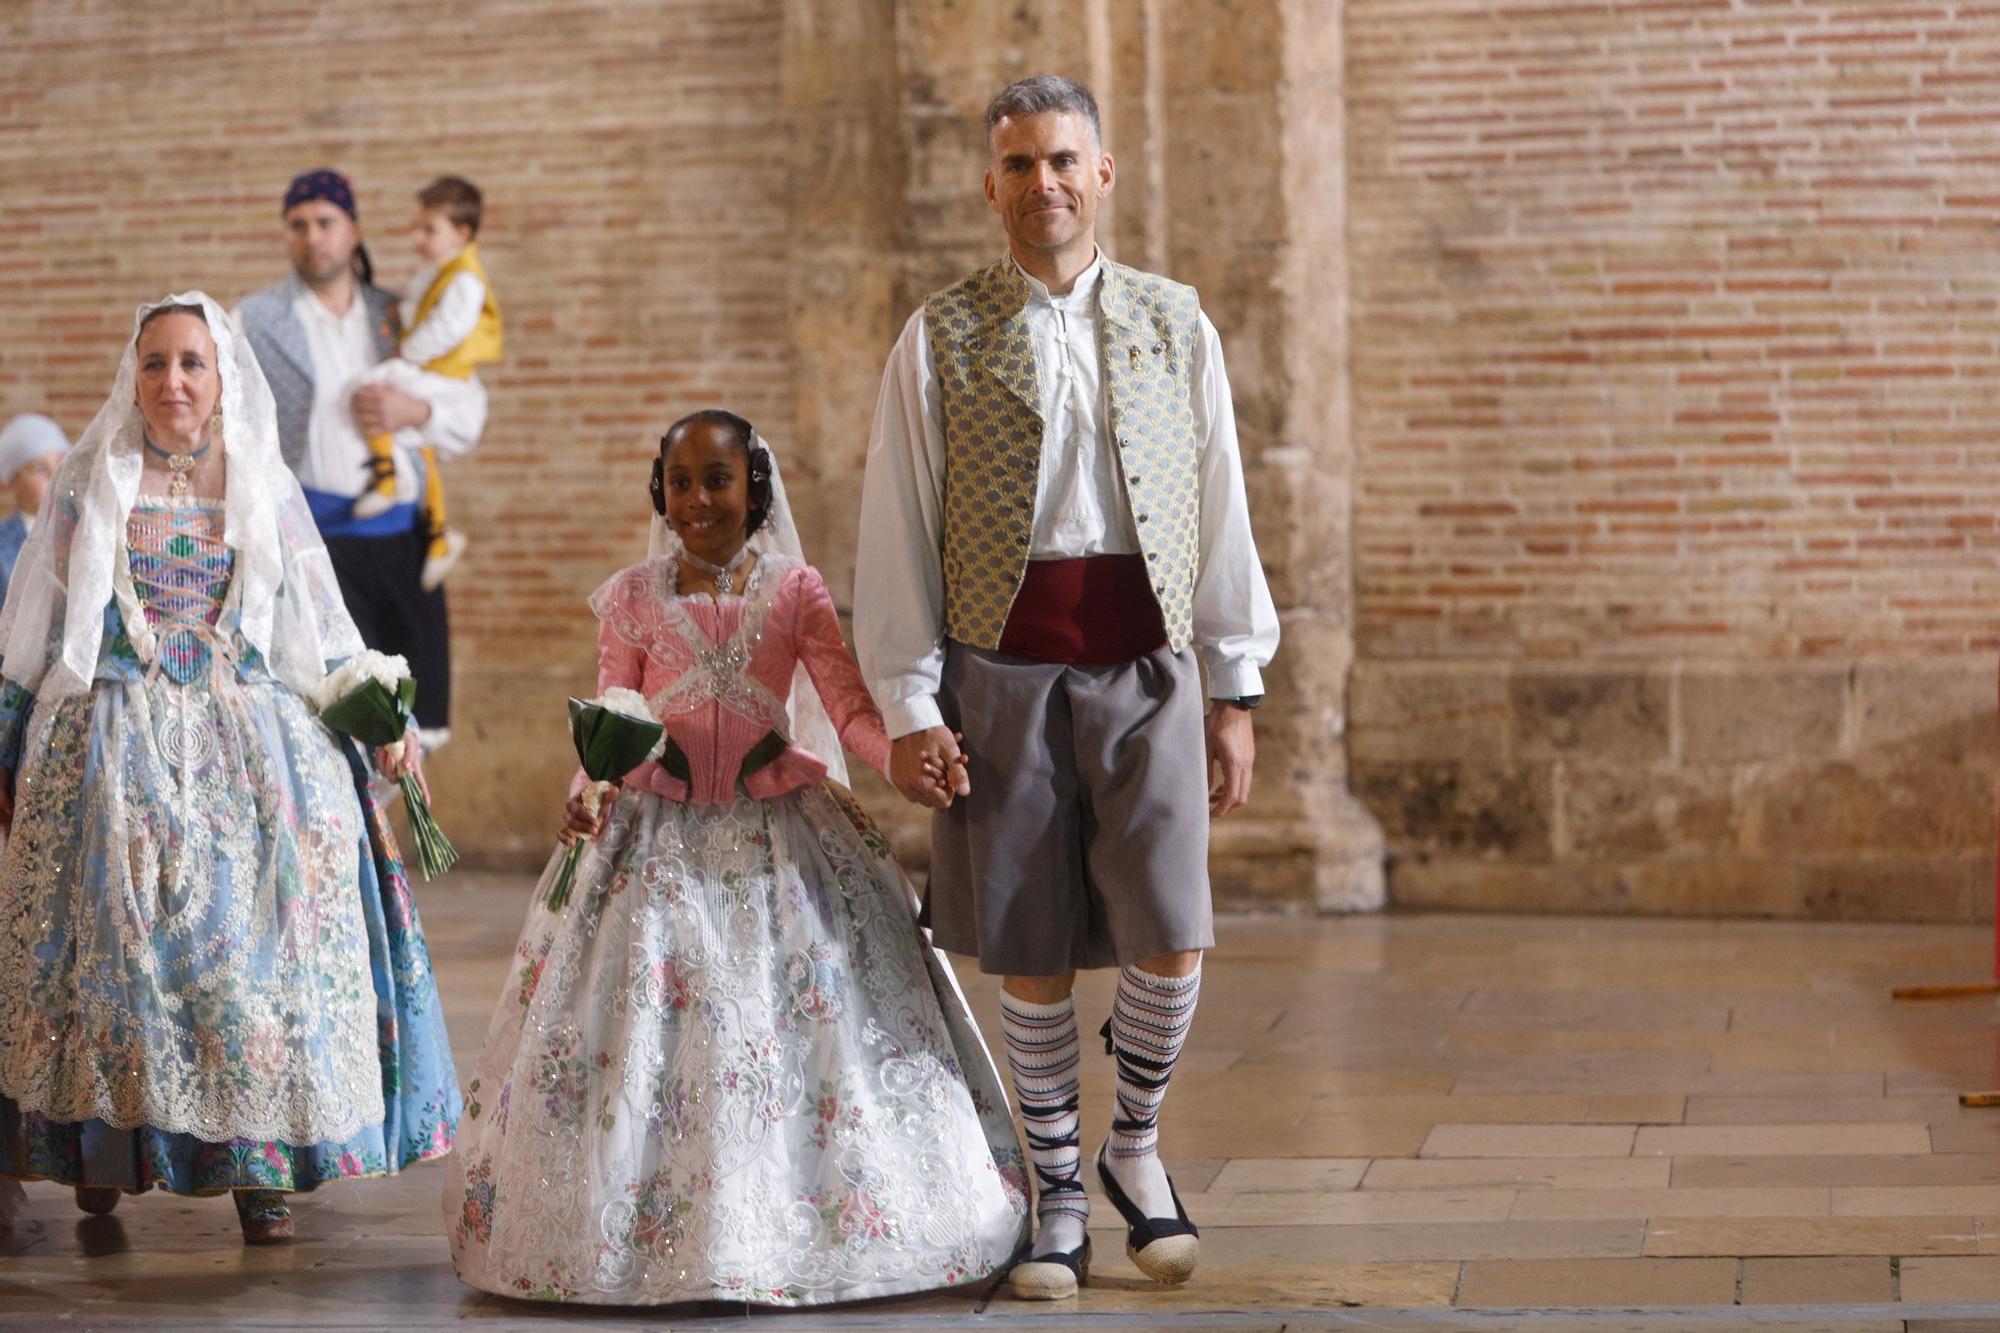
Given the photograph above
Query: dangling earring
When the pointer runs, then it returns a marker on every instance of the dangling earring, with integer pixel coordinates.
(215, 422)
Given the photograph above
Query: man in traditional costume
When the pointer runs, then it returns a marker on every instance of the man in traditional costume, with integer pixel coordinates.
(1053, 528)
(317, 334)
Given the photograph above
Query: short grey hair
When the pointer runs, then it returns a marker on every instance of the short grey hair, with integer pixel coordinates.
(1042, 93)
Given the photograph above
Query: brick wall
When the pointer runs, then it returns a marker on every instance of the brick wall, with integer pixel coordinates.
(632, 155)
(1677, 408)
(1671, 387)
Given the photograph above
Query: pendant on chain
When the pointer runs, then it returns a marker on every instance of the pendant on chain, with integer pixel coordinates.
(181, 465)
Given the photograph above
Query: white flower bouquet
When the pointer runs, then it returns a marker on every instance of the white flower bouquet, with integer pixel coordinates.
(369, 697)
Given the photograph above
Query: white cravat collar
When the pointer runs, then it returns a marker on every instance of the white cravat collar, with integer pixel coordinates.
(308, 302)
(1082, 294)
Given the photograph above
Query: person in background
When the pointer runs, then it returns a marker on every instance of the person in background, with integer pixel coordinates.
(30, 448)
(451, 323)
(317, 334)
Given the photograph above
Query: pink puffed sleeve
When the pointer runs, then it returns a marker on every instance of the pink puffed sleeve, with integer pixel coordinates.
(816, 632)
(623, 616)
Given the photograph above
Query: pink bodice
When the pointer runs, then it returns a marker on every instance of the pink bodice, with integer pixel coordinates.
(719, 670)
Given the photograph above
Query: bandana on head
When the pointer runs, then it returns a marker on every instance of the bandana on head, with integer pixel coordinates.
(323, 184)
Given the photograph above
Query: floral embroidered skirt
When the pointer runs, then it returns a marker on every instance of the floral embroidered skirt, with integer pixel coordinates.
(212, 974)
(732, 1069)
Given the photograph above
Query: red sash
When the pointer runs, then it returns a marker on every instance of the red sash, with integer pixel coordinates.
(1094, 611)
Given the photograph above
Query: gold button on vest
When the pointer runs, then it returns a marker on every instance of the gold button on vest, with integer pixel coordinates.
(991, 395)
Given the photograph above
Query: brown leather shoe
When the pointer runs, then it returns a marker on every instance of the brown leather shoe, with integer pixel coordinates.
(263, 1216)
(97, 1200)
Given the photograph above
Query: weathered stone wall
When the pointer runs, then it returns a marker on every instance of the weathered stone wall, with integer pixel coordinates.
(1676, 409)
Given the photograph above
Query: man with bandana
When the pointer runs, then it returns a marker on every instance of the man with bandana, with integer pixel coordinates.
(316, 334)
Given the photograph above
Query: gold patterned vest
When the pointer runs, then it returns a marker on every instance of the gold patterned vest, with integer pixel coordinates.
(988, 387)
(483, 343)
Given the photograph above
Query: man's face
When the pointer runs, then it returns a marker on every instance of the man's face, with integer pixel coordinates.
(1045, 178)
(322, 240)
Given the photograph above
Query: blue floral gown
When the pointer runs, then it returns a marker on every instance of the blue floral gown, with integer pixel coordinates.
(212, 975)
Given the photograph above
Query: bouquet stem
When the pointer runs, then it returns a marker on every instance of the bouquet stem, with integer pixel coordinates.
(435, 854)
(566, 877)
(592, 798)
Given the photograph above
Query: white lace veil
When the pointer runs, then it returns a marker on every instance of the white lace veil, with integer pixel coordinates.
(809, 727)
(286, 601)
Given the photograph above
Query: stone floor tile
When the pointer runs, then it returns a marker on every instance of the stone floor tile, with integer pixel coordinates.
(1820, 1110)
(1379, 1242)
(1859, 1279)
(1525, 1173)
(1864, 1170)
(1780, 1140)
(1789, 1236)
(1599, 1282)
(1278, 1175)
(1695, 1079)
(1541, 1205)
(1115, 1285)
(1967, 1136)
(1916, 1200)
(1482, 1140)
(1638, 1109)
(1941, 1279)
(1352, 1206)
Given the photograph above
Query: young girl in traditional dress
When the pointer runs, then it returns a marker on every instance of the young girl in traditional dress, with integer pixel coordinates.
(731, 1068)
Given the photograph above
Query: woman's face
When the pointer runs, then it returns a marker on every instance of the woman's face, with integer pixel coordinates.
(708, 490)
(178, 381)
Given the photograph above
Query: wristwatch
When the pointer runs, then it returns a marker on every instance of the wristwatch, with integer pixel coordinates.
(1247, 702)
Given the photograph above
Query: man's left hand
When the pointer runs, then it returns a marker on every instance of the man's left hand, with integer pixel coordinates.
(382, 409)
(1232, 748)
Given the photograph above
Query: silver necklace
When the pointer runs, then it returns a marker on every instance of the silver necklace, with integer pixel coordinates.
(724, 584)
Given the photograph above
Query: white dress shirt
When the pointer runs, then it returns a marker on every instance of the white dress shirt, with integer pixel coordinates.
(1080, 507)
(343, 357)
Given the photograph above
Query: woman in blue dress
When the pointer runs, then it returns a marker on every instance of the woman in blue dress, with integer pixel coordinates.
(212, 976)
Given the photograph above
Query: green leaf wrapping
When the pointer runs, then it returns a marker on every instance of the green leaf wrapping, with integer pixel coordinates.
(371, 714)
(610, 744)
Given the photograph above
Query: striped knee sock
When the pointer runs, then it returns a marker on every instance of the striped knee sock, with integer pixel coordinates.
(1042, 1053)
(1149, 1024)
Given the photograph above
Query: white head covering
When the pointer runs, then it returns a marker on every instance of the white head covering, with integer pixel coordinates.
(286, 600)
(808, 725)
(26, 438)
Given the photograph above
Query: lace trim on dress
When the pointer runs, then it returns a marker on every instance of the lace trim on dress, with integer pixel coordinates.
(644, 608)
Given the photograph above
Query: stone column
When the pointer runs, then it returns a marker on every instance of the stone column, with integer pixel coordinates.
(848, 230)
(1226, 122)
(1254, 181)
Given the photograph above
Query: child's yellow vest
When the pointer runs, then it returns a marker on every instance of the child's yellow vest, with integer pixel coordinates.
(483, 343)
(985, 360)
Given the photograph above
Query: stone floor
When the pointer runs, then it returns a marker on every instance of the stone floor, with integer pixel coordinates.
(1430, 1122)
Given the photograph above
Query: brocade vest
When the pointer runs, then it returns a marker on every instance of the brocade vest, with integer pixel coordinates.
(989, 389)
